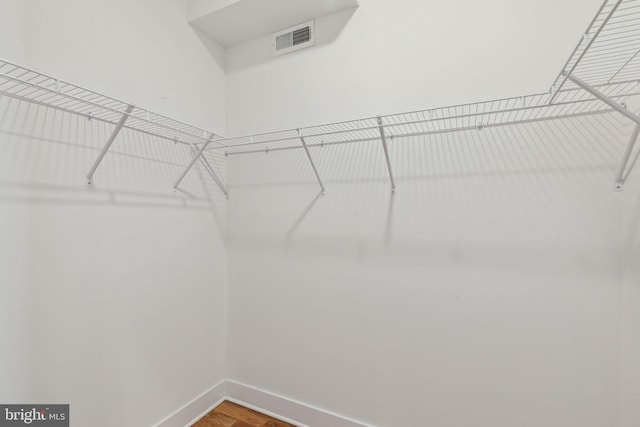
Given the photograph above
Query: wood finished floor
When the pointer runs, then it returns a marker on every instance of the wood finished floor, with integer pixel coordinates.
(229, 414)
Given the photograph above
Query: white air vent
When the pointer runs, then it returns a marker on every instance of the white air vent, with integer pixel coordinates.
(294, 38)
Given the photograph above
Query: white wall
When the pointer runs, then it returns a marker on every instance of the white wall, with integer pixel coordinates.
(12, 37)
(486, 292)
(630, 333)
(393, 56)
(113, 298)
(630, 314)
(13, 265)
(138, 51)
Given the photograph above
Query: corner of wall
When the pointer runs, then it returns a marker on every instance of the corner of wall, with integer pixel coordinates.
(271, 404)
(196, 408)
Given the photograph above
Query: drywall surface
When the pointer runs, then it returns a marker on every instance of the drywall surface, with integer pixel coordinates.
(142, 52)
(630, 333)
(112, 297)
(200, 8)
(630, 303)
(13, 265)
(12, 36)
(392, 56)
(486, 292)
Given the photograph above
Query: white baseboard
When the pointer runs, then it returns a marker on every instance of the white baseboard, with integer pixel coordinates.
(286, 409)
(276, 406)
(199, 406)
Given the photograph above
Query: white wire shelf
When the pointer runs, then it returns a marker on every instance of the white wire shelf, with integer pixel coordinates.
(601, 73)
(609, 50)
(31, 86)
(501, 112)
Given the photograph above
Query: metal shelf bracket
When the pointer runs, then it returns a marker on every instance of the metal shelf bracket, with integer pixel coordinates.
(214, 175)
(386, 154)
(193, 162)
(108, 144)
(604, 98)
(621, 175)
(313, 165)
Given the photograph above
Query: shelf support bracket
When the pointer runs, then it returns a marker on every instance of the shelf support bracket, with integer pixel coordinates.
(622, 171)
(604, 98)
(214, 175)
(193, 162)
(620, 177)
(108, 144)
(383, 137)
(313, 165)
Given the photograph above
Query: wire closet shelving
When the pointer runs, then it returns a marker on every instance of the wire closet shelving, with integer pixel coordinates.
(34, 87)
(601, 73)
(608, 52)
(28, 85)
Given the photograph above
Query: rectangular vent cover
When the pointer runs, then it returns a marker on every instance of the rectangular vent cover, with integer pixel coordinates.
(294, 38)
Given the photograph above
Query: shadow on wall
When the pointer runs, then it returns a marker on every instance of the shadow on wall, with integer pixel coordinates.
(456, 191)
(494, 268)
(45, 155)
(82, 270)
(327, 30)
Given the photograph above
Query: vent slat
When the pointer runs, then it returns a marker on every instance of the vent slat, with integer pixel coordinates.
(302, 35)
(284, 41)
(293, 38)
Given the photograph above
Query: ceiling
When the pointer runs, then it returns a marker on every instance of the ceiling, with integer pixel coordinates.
(230, 22)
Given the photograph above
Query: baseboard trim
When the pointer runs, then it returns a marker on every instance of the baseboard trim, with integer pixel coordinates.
(286, 409)
(196, 408)
(266, 412)
(283, 408)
